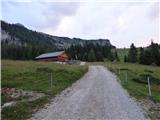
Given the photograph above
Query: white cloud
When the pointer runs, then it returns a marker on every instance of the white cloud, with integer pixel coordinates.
(37, 15)
(154, 10)
(121, 22)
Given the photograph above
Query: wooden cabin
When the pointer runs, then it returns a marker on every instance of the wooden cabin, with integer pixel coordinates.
(60, 56)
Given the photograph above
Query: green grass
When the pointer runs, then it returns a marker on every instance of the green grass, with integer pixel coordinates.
(134, 84)
(35, 76)
(121, 53)
(124, 52)
(23, 110)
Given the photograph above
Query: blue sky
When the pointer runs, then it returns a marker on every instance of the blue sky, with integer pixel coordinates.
(123, 22)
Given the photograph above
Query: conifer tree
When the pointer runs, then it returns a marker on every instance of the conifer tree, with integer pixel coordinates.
(91, 56)
(132, 56)
(141, 56)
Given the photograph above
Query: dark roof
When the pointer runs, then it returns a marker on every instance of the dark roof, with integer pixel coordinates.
(48, 55)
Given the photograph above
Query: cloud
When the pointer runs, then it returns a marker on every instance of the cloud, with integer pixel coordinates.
(38, 15)
(154, 10)
(122, 22)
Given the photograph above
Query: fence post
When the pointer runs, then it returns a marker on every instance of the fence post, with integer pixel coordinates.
(51, 80)
(126, 76)
(149, 87)
(119, 71)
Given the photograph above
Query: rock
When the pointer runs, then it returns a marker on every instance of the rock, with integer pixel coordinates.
(9, 104)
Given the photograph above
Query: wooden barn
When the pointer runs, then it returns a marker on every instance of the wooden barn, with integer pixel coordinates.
(60, 56)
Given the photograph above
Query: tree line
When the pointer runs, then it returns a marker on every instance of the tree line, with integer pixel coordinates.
(22, 52)
(147, 56)
(92, 52)
(87, 52)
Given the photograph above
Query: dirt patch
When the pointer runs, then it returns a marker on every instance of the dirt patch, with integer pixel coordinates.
(151, 107)
(12, 95)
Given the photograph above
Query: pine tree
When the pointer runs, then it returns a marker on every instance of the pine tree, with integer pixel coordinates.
(91, 56)
(155, 53)
(99, 56)
(147, 57)
(116, 56)
(84, 58)
(125, 58)
(111, 56)
(141, 56)
(132, 56)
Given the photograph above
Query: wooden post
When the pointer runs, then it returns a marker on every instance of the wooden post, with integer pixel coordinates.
(119, 71)
(126, 75)
(51, 80)
(149, 87)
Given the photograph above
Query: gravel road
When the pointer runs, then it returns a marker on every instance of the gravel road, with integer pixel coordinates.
(96, 96)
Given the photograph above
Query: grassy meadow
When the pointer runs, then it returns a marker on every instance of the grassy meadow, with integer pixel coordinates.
(121, 53)
(136, 82)
(35, 76)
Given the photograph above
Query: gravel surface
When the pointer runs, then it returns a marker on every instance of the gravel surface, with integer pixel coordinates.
(96, 96)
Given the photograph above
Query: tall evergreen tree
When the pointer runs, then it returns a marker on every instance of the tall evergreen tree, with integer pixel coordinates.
(99, 56)
(125, 58)
(91, 56)
(85, 56)
(155, 53)
(116, 56)
(111, 56)
(132, 56)
(147, 57)
(141, 56)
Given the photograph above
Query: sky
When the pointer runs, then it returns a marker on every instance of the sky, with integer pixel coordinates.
(122, 22)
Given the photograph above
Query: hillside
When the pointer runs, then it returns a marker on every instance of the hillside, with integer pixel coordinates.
(17, 38)
(18, 34)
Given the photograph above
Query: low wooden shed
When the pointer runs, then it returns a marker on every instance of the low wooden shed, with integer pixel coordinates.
(60, 56)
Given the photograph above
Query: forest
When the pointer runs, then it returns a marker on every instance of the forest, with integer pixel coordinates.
(148, 56)
(88, 52)
(92, 53)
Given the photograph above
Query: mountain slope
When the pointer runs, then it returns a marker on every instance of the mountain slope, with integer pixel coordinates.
(17, 34)
(18, 42)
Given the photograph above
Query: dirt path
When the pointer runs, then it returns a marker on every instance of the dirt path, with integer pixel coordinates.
(96, 96)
